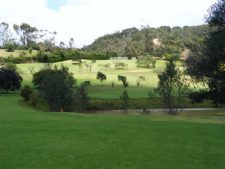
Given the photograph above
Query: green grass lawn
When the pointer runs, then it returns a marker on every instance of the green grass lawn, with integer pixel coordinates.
(41, 140)
(81, 74)
(103, 89)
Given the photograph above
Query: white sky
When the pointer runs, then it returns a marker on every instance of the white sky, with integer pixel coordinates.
(86, 20)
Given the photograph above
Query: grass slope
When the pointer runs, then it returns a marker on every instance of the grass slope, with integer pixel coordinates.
(41, 140)
(104, 89)
(16, 53)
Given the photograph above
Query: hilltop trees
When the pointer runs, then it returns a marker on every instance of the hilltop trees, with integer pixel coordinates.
(152, 41)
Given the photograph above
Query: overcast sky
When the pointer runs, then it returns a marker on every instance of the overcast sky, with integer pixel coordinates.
(86, 20)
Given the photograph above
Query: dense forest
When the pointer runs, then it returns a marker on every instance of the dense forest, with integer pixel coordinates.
(158, 42)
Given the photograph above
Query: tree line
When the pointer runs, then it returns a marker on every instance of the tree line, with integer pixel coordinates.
(157, 42)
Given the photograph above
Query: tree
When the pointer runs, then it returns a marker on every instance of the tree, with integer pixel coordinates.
(5, 34)
(123, 79)
(62, 45)
(101, 76)
(71, 43)
(10, 47)
(146, 61)
(26, 33)
(170, 82)
(209, 63)
(130, 51)
(11, 66)
(26, 92)
(57, 87)
(10, 80)
(82, 97)
(124, 98)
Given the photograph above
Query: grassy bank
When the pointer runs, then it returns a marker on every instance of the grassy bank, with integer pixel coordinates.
(35, 139)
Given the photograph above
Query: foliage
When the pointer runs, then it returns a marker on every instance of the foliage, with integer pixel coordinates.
(146, 61)
(208, 64)
(82, 98)
(18, 60)
(170, 81)
(26, 33)
(130, 52)
(34, 98)
(5, 34)
(56, 86)
(140, 78)
(140, 42)
(10, 80)
(11, 66)
(199, 96)
(10, 47)
(123, 79)
(120, 65)
(124, 98)
(101, 76)
(26, 92)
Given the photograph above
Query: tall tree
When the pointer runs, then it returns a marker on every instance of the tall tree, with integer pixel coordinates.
(71, 43)
(26, 33)
(5, 34)
(209, 64)
(172, 87)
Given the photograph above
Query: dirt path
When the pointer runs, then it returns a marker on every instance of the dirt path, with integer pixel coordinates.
(148, 111)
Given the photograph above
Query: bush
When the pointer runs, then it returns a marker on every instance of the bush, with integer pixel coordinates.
(124, 98)
(26, 93)
(34, 99)
(9, 47)
(56, 87)
(10, 80)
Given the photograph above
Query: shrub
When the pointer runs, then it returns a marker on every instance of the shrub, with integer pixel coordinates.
(10, 80)
(9, 47)
(124, 98)
(56, 87)
(123, 79)
(34, 99)
(26, 93)
(101, 76)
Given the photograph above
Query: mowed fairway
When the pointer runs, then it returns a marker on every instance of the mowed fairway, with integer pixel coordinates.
(30, 139)
(104, 89)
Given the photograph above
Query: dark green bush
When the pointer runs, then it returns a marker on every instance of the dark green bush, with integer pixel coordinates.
(26, 93)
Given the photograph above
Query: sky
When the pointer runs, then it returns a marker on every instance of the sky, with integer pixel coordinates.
(86, 20)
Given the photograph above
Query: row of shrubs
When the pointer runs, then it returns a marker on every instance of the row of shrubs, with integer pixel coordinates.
(60, 55)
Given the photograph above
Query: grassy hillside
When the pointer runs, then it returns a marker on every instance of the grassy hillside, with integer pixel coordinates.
(35, 139)
(103, 89)
(16, 53)
(155, 41)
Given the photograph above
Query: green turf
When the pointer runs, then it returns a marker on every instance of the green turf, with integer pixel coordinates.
(103, 89)
(41, 140)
